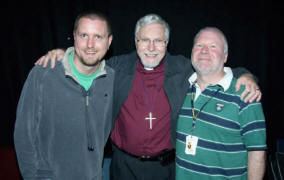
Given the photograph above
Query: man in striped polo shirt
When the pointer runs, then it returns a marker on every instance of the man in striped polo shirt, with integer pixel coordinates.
(218, 135)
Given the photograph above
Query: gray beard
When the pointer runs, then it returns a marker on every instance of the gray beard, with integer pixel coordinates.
(146, 65)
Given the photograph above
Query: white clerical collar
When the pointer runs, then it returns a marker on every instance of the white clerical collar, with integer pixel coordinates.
(224, 82)
(148, 68)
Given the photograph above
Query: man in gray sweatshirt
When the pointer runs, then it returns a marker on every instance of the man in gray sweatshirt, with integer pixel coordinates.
(64, 114)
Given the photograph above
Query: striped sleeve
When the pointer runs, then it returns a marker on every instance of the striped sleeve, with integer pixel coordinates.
(253, 128)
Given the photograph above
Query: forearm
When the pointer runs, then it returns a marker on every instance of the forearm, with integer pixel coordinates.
(256, 165)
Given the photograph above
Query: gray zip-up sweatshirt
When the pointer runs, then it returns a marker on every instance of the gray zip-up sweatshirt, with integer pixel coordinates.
(61, 129)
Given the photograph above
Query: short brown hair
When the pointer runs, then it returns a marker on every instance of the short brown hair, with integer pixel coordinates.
(93, 15)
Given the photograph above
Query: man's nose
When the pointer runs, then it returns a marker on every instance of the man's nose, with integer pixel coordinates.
(91, 43)
(151, 45)
(204, 49)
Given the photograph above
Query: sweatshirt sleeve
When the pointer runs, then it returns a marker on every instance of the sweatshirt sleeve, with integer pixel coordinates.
(237, 72)
(28, 113)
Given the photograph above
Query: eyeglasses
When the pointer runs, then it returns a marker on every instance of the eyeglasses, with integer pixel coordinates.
(156, 42)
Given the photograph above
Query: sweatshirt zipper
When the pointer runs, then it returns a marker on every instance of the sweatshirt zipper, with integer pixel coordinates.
(89, 132)
(86, 95)
(87, 100)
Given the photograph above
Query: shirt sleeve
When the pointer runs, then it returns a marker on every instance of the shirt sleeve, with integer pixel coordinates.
(237, 72)
(253, 126)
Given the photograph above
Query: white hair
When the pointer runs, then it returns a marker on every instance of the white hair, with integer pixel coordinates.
(150, 19)
(216, 30)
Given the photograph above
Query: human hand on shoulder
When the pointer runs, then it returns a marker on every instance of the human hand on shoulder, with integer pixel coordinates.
(252, 91)
(52, 56)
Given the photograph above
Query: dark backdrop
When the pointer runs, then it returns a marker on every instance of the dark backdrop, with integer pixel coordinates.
(253, 28)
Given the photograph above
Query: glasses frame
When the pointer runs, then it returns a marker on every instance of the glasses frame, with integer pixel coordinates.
(155, 42)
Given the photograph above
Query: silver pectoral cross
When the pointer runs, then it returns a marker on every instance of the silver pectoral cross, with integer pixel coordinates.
(150, 118)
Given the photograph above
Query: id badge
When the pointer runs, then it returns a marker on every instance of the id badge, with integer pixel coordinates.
(191, 144)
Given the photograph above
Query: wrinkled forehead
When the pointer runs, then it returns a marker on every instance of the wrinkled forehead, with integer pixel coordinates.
(210, 36)
(152, 30)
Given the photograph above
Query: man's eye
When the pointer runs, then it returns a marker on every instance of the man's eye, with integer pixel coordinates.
(145, 40)
(198, 45)
(83, 35)
(99, 37)
(158, 41)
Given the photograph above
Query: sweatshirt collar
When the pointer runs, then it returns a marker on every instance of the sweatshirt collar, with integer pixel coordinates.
(67, 66)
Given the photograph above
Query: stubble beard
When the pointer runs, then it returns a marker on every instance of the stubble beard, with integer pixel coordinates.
(89, 64)
(206, 71)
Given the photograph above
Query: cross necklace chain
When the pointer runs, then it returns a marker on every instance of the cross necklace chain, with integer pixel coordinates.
(150, 118)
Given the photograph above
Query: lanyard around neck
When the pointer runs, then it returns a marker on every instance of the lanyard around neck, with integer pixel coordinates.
(195, 116)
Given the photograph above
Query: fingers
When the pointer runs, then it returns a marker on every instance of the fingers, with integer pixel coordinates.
(53, 57)
(259, 96)
(238, 85)
(60, 55)
(50, 56)
(40, 60)
(251, 94)
(47, 58)
(246, 94)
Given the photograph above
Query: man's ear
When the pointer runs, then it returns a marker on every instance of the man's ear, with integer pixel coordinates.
(110, 40)
(135, 40)
(225, 57)
(74, 35)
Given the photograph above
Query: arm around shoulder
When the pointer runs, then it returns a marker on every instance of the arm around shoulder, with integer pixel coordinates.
(239, 71)
(252, 91)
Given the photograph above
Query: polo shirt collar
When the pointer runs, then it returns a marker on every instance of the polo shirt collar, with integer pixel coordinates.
(224, 82)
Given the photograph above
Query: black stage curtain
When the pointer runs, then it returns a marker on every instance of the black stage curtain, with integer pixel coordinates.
(253, 28)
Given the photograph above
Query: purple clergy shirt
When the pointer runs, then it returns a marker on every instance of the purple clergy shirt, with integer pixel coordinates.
(132, 131)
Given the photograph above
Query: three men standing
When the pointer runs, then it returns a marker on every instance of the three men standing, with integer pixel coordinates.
(149, 90)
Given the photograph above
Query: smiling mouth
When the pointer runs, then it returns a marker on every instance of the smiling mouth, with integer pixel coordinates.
(151, 54)
(203, 59)
(91, 52)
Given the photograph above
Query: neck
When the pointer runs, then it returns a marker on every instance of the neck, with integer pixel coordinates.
(204, 80)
